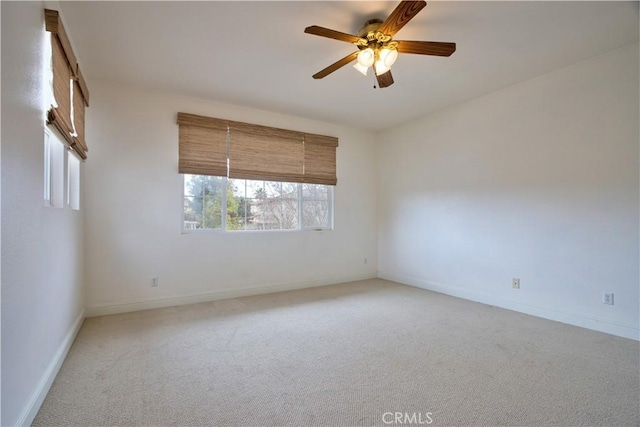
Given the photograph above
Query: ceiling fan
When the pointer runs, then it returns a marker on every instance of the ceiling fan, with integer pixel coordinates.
(376, 46)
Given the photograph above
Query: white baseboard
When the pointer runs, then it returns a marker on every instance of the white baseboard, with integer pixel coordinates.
(37, 397)
(575, 319)
(129, 306)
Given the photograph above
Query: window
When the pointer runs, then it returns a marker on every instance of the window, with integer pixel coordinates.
(242, 176)
(61, 166)
(218, 147)
(264, 205)
(317, 203)
(47, 168)
(219, 203)
(67, 94)
(54, 158)
(65, 98)
(73, 181)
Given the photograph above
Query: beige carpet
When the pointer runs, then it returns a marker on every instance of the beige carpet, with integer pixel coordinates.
(343, 355)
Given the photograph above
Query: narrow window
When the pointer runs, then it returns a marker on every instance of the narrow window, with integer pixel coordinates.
(73, 181)
(47, 168)
(56, 171)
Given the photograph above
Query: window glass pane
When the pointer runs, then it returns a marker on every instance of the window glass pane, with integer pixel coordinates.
(255, 190)
(47, 168)
(212, 212)
(238, 187)
(240, 215)
(254, 205)
(236, 198)
(191, 220)
(280, 206)
(289, 212)
(236, 204)
(56, 170)
(315, 192)
(203, 201)
(316, 206)
(315, 213)
(73, 181)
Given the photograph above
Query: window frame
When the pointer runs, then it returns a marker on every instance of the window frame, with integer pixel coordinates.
(223, 201)
(57, 176)
(55, 169)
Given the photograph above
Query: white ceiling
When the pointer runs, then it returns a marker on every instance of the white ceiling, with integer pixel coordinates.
(256, 54)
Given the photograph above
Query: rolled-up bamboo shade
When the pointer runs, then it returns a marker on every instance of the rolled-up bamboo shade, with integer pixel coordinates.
(78, 115)
(202, 145)
(265, 153)
(65, 73)
(61, 83)
(254, 152)
(320, 159)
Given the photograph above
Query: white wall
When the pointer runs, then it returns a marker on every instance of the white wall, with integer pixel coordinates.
(537, 181)
(134, 207)
(42, 297)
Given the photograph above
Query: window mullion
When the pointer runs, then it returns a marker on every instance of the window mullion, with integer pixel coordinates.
(300, 207)
(330, 206)
(264, 206)
(223, 208)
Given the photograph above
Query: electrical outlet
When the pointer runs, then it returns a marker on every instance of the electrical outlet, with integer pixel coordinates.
(154, 282)
(607, 298)
(515, 283)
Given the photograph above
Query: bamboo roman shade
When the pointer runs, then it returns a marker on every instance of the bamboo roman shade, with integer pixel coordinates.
(61, 84)
(202, 145)
(69, 88)
(210, 146)
(320, 159)
(260, 152)
(78, 114)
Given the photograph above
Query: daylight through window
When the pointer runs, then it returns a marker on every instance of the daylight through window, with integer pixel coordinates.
(212, 202)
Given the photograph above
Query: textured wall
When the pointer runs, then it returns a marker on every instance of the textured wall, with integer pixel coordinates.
(537, 181)
(134, 209)
(42, 247)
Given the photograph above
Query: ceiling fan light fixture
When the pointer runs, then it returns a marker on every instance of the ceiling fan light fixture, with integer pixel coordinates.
(361, 68)
(381, 67)
(388, 56)
(366, 57)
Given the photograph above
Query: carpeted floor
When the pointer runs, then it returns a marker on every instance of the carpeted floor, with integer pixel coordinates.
(345, 355)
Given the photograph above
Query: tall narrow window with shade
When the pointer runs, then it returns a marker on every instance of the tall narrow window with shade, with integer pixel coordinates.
(70, 92)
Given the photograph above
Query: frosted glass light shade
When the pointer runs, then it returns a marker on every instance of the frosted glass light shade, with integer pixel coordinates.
(366, 57)
(388, 56)
(361, 68)
(381, 67)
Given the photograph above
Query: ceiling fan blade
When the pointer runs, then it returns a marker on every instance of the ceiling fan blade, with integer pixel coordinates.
(336, 65)
(426, 48)
(385, 80)
(402, 14)
(332, 34)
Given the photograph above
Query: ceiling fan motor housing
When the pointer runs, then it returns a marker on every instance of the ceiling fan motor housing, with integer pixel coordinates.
(372, 25)
(370, 37)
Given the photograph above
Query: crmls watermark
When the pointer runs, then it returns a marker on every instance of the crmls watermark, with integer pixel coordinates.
(407, 418)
